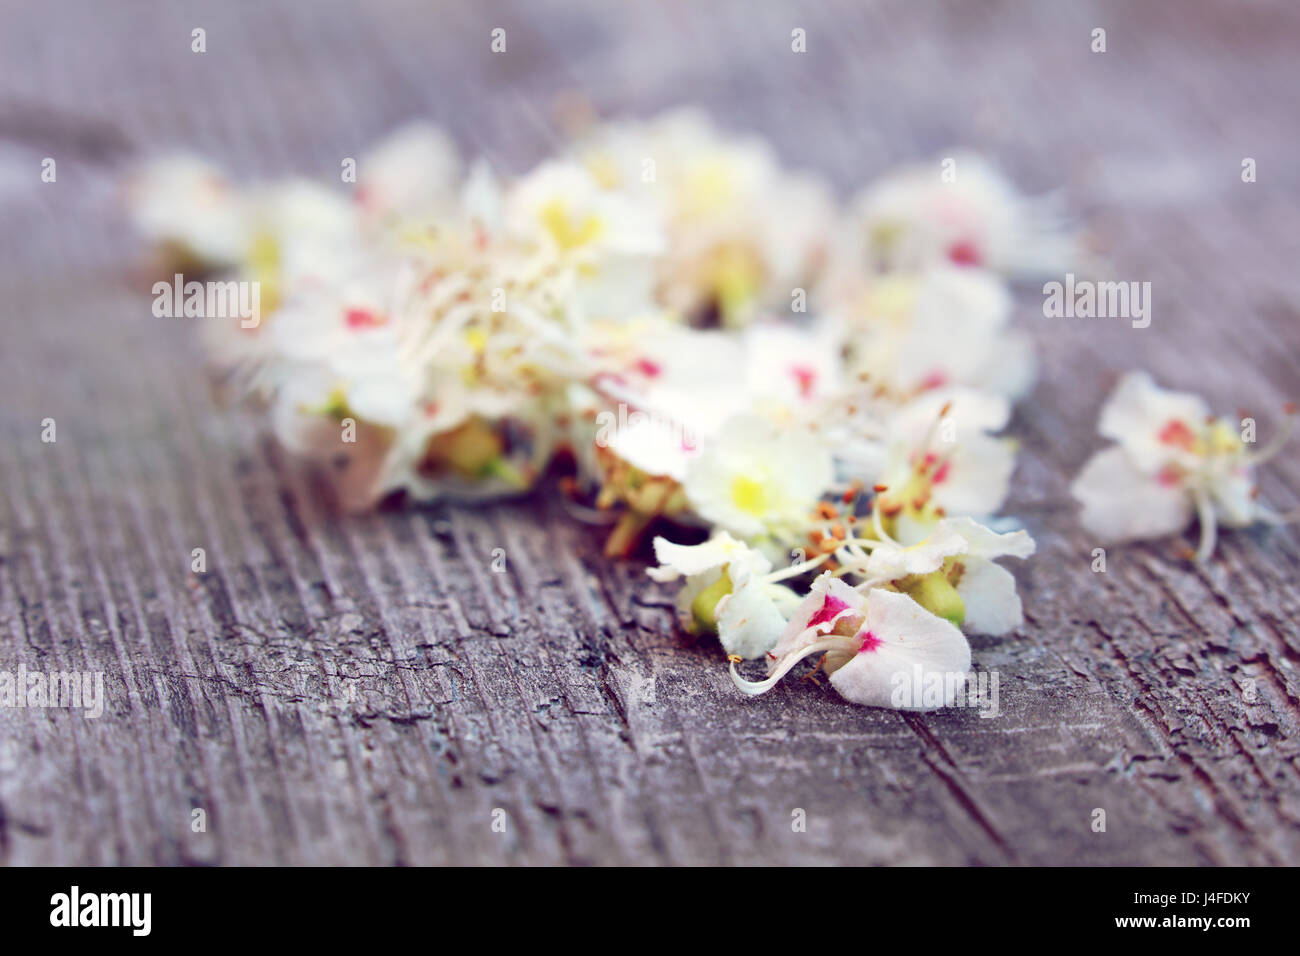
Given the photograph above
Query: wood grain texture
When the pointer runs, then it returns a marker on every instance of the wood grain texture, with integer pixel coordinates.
(346, 690)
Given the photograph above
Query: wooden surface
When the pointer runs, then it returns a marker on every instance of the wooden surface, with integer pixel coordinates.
(364, 690)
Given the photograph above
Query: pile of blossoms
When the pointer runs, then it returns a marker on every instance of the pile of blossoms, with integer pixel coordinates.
(720, 351)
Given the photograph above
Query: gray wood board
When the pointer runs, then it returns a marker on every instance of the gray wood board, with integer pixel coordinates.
(365, 690)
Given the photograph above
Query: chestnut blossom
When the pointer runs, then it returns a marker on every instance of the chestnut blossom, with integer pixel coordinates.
(758, 480)
(869, 644)
(948, 568)
(187, 204)
(742, 232)
(959, 211)
(409, 178)
(789, 369)
(1172, 460)
(561, 206)
(731, 589)
(938, 457)
(938, 328)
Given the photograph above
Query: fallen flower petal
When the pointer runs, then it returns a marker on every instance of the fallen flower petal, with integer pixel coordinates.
(895, 637)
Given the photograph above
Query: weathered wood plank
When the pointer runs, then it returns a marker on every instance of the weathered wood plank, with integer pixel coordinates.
(364, 690)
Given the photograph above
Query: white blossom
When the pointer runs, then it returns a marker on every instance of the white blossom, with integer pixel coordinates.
(1172, 460)
(888, 638)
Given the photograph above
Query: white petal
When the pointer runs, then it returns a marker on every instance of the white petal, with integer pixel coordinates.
(1122, 504)
(979, 476)
(749, 621)
(987, 543)
(970, 410)
(183, 199)
(910, 638)
(1138, 410)
(788, 365)
(891, 562)
(1235, 498)
(654, 446)
(989, 593)
(797, 634)
(791, 469)
(690, 559)
(693, 587)
(412, 170)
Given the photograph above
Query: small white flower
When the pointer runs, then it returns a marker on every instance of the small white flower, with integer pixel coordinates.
(789, 368)
(742, 232)
(306, 415)
(939, 458)
(730, 587)
(872, 644)
(561, 206)
(830, 607)
(914, 217)
(304, 233)
(891, 560)
(189, 203)
(672, 371)
(653, 445)
(411, 175)
(949, 568)
(668, 390)
(758, 480)
(597, 246)
(988, 590)
(936, 329)
(1172, 460)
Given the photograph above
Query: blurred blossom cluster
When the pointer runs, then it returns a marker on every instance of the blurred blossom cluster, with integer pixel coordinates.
(710, 337)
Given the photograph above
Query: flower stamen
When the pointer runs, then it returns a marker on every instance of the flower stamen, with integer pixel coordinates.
(1209, 525)
(754, 688)
(1277, 442)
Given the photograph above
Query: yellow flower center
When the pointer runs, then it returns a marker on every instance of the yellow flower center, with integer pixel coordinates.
(263, 260)
(565, 230)
(749, 495)
(603, 168)
(733, 273)
(891, 299)
(708, 188)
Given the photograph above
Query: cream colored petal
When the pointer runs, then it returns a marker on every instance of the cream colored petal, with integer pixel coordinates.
(987, 543)
(989, 594)
(912, 644)
(749, 621)
(1121, 503)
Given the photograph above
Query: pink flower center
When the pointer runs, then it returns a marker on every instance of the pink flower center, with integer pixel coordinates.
(806, 377)
(830, 607)
(649, 368)
(1177, 433)
(936, 379)
(869, 642)
(362, 319)
(1168, 476)
(964, 253)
